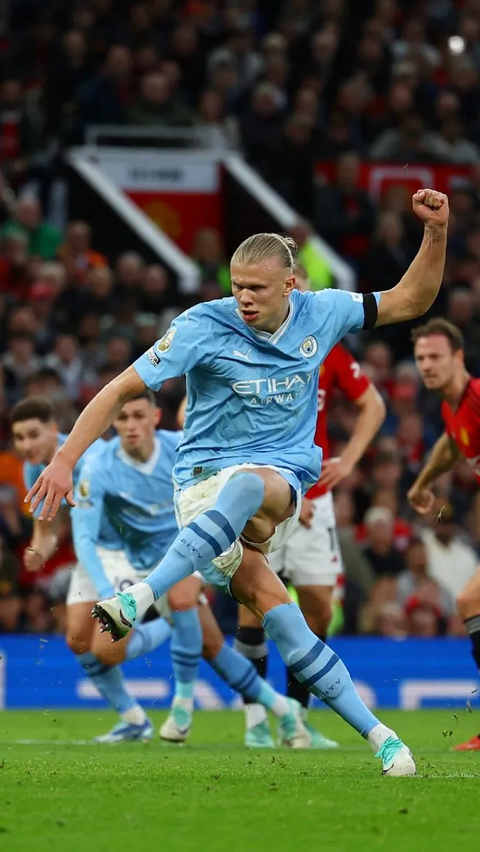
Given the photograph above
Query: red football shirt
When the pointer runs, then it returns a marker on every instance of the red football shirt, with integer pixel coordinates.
(339, 370)
(463, 425)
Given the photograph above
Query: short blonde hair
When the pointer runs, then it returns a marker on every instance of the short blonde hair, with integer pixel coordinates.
(261, 247)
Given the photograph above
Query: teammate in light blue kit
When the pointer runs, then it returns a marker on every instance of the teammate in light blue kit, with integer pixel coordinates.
(251, 364)
(131, 483)
(36, 439)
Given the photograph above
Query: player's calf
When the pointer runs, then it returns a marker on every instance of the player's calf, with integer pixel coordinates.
(468, 604)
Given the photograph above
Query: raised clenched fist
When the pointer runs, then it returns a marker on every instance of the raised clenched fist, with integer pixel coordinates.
(431, 207)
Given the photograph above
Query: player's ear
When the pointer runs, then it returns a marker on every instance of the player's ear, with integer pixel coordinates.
(289, 285)
(158, 416)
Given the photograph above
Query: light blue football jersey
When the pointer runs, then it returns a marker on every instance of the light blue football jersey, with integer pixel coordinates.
(136, 497)
(252, 396)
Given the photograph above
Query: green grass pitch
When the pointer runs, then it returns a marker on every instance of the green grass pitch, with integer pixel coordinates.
(59, 794)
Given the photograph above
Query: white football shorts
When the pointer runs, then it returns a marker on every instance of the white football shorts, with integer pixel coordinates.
(120, 573)
(311, 556)
(193, 501)
(118, 570)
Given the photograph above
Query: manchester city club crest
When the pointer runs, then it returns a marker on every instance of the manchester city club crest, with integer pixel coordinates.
(308, 347)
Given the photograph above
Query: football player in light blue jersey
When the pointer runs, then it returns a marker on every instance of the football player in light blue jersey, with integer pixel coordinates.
(248, 453)
(36, 439)
(131, 483)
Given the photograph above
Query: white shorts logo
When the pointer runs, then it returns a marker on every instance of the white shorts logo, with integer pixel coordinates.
(309, 347)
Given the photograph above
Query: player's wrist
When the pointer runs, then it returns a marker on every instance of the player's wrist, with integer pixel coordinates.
(437, 231)
(67, 456)
(36, 552)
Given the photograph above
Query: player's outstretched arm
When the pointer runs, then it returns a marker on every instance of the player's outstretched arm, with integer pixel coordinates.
(55, 482)
(371, 414)
(42, 546)
(418, 289)
(443, 457)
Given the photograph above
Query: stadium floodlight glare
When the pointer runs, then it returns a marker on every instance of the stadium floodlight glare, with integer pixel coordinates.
(456, 45)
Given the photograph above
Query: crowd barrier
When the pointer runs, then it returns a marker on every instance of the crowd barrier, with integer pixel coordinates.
(40, 672)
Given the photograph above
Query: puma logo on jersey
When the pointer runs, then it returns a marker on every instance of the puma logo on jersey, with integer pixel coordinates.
(244, 355)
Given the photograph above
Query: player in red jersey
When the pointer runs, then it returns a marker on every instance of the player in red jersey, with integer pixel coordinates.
(311, 560)
(438, 347)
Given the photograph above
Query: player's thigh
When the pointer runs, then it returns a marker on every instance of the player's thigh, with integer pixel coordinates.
(255, 585)
(468, 601)
(278, 504)
(213, 638)
(316, 605)
(247, 618)
(79, 627)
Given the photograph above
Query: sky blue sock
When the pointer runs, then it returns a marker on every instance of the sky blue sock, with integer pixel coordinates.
(242, 676)
(317, 666)
(210, 533)
(109, 682)
(186, 650)
(146, 637)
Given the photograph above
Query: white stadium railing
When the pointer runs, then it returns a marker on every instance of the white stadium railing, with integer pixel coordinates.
(156, 239)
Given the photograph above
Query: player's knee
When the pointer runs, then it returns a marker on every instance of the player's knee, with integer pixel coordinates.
(180, 600)
(78, 642)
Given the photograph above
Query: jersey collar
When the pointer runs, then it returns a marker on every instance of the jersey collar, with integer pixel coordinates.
(143, 467)
(266, 335)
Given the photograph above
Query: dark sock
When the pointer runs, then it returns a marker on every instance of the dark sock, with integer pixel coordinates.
(250, 641)
(473, 629)
(297, 690)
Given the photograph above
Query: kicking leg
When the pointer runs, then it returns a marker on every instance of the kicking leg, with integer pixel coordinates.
(313, 662)
(252, 502)
(196, 545)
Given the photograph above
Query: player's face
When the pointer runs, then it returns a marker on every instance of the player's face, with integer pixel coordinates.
(34, 441)
(136, 424)
(436, 362)
(262, 293)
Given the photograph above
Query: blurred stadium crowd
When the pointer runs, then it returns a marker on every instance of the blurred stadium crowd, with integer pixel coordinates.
(289, 83)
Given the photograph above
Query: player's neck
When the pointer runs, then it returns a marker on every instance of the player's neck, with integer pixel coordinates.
(144, 453)
(453, 392)
(278, 321)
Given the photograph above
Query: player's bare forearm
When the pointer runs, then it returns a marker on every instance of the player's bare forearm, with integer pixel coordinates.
(44, 539)
(99, 414)
(419, 287)
(371, 416)
(443, 457)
